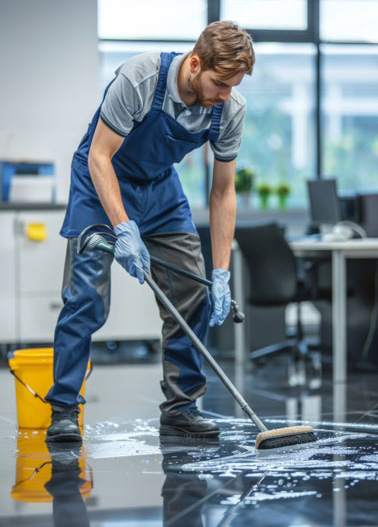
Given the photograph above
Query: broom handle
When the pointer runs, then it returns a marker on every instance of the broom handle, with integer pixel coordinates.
(204, 352)
(183, 272)
(238, 316)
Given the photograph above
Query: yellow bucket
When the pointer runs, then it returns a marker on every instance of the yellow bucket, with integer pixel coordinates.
(34, 469)
(33, 372)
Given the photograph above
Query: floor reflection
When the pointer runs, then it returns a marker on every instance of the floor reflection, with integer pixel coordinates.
(56, 473)
(314, 483)
(184, 494)
(125, 474)
(67, 487)
(210, 484)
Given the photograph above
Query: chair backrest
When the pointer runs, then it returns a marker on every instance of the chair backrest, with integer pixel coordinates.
(271, 263)
(367, 203)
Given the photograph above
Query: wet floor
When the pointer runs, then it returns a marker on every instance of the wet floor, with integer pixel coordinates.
(124, 475)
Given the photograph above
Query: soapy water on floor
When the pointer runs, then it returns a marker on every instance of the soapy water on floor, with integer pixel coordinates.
(343, 451)
(345, 456)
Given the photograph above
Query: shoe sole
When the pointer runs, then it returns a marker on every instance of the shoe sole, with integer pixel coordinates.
(181, 432)
(65, 438)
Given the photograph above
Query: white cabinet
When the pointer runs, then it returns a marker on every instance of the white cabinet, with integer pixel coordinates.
(40, 261)
(32, 258)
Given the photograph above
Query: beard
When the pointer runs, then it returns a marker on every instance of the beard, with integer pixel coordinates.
(197, 88)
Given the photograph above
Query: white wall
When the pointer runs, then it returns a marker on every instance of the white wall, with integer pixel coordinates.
(48, 79)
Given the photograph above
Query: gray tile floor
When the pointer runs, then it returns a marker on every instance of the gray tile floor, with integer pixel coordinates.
(124, 476)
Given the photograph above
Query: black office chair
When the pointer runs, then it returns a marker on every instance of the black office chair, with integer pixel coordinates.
(276, 279)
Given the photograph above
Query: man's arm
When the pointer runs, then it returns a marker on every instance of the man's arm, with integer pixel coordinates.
(222, 212)
(129, 250)
(104, 145)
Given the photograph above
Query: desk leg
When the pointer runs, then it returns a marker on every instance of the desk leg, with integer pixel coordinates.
(339, 316)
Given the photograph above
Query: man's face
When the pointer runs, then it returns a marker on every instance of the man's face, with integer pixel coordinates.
(212, 89)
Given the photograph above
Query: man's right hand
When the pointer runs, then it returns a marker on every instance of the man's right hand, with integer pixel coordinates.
(130, 251)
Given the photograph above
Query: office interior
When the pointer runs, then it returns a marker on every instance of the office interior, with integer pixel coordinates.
(306, 353)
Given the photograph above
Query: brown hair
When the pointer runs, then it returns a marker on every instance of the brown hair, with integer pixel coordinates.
(225, 48)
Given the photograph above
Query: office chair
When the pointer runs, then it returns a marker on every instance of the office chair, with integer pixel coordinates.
(276, 279)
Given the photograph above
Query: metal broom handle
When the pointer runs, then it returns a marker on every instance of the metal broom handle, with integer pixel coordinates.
(202, 349)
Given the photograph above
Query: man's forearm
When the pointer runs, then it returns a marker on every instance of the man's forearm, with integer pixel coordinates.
(222, 226)
(107, 187)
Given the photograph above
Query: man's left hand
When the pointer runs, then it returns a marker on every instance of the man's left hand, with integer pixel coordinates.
(221, 296)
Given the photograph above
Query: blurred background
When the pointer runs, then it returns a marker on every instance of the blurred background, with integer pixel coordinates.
(308, 347)
(312, 113)
(312, 101)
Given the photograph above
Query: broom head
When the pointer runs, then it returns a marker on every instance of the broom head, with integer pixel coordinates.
(283, 437)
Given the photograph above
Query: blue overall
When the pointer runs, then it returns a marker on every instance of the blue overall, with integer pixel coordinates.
(154, 199)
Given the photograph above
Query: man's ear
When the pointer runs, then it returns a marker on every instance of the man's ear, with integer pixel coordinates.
(194, 63)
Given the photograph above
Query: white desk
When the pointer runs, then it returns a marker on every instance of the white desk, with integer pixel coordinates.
(356, 248)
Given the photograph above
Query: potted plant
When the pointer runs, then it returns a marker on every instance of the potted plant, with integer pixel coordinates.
(244, 183)
(264, 190)
(282, 191)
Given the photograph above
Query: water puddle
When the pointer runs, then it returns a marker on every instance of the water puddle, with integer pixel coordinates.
(111, 440)
(338, 452)
(229, 474)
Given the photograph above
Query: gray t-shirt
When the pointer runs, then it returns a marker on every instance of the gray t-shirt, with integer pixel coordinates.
(130, 96)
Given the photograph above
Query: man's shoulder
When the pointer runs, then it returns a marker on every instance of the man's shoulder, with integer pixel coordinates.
(237, 100)
(236, 104)
(141, 68)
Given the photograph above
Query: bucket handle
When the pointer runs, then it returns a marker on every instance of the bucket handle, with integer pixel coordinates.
(89, 371)
(35, 394)
(35, 471)
(46, 463)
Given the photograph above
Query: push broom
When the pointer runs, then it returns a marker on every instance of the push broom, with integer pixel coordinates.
(266, 439)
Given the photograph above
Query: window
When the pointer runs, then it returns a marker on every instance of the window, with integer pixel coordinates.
(266, 14)
(113, 54)
(278, 138)
(284, 140)
(349, 20)
(350, 115)
(151, 20)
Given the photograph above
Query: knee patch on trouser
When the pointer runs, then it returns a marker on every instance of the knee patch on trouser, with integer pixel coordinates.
(183, 380)
(184, 251)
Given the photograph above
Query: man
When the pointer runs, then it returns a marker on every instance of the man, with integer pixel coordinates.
(158, 108)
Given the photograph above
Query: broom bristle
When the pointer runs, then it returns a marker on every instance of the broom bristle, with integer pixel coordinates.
(289, 436)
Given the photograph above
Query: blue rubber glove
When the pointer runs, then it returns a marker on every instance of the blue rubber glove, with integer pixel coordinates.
(130, 251)
(221, 296)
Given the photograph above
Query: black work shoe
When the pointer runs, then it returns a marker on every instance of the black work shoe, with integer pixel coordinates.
(64, 425)
(189, 423)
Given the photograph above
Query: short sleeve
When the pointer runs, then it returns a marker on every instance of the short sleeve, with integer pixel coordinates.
(226, 148)
(121, 106)
(129, 96)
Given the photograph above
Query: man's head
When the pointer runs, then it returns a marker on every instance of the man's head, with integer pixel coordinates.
(221, 57)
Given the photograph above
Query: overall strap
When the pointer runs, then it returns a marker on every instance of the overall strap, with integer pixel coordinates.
(165, 62)
(215, 122)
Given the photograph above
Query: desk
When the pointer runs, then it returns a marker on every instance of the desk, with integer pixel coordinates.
(356, 248)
